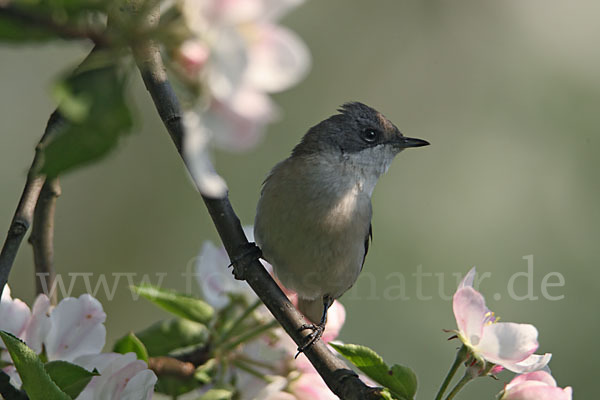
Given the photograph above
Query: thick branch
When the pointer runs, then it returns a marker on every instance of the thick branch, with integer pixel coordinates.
(42, 238)
(341, 380)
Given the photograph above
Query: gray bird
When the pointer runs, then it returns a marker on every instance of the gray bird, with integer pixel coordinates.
(313, 219)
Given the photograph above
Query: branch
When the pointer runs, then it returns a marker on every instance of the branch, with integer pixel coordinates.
(169, 366)
(65, 31)
(42, 239)
(339, 378)
(25, 209)
(23, 216)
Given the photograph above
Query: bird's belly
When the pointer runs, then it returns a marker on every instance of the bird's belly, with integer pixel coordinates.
(315, 255)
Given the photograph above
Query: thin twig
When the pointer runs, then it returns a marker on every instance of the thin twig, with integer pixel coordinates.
(24, 214)
(340, 379)
(42, 239)
(38, 21)
(169, 366)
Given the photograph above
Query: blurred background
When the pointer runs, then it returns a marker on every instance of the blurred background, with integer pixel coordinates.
(508, 93)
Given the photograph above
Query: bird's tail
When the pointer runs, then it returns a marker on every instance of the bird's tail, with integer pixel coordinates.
(312, 309)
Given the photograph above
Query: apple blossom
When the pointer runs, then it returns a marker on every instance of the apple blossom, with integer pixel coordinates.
(538, 385)
(39, 324)
(74, 331)
(216, 280)
(14, 314)
(238, 54)
(76, 328)
(122, 376)
(507, 344)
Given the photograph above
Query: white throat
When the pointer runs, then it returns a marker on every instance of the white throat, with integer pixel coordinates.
(365, 167)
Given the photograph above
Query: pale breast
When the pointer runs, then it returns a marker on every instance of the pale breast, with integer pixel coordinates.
(313, 235)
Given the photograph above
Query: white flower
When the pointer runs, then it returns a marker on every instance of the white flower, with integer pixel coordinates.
(14, 314)
(216, 280)
(76, 328)
(507, 344)
(122, 376)
(39, 324)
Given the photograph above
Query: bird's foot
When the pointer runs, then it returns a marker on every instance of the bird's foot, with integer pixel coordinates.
(249, 253)
(311, 338)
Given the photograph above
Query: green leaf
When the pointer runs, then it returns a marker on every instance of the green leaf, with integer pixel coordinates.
(12, 30)
(182, 305)
(92, 103)
(176, 386)
(71, 378)
(131, 343)
(36, 382)
(165, 336)
(400, 380)
(217, 394)
(42, 20)
(205, 372)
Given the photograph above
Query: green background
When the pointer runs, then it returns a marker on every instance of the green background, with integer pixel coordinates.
(507, 92)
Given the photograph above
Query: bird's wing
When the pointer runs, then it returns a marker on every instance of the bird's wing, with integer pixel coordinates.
(368, 239)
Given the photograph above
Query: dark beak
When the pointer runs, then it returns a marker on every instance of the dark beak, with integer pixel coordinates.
(405, 142)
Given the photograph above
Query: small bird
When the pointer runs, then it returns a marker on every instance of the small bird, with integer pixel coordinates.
(313, 219)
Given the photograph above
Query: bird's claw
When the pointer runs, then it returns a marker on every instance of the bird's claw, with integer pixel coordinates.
(311, 338)
(248, 254)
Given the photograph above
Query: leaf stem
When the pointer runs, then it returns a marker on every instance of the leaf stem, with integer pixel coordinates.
(249, 369)
(461, 357)
(463, 381)
(238, 321)
(253, 333)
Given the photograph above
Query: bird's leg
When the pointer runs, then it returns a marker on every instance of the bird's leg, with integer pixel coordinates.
(318, 329)
(248, 254)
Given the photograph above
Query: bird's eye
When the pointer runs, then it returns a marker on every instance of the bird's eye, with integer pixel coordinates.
(370, 135)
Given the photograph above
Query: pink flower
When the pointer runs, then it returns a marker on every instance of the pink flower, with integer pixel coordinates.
(192, 56)
(538, 385)
(122, 376)
(508, 344)
(239, 55)
(311, 386)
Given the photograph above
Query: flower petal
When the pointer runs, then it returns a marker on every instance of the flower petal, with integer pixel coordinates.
(238, 123)
(277, 59)
(541, 376)
(39, 325)
(196, 154)
(467, 281)
(336, 316)
(311, 386)
(14, 314)
(507, 341)
(540, 392)
(534, 386)
(532, 363)
(215, 279)
(228, 63)
(470, 312)
(122, 376)
(77, 328)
